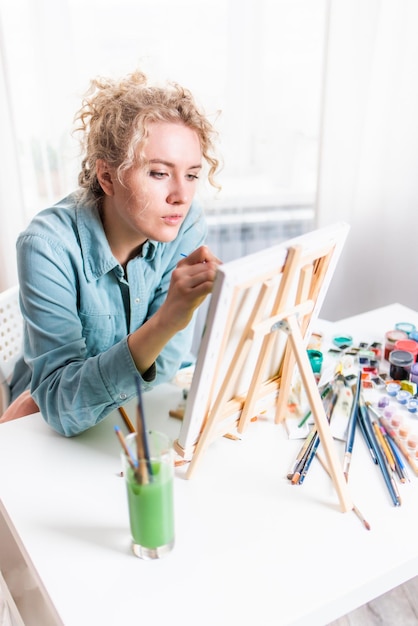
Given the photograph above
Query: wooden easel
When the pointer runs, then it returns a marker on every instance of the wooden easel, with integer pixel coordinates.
(263, 324)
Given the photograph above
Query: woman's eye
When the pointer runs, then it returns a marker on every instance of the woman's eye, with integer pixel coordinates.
(160, 175)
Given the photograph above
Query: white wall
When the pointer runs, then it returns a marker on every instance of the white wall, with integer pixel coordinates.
(369, 156)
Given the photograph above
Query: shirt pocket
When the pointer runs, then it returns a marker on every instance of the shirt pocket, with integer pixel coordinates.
(101, 331)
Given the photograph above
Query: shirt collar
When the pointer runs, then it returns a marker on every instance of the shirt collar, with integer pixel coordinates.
(97, 255)
(149, 250)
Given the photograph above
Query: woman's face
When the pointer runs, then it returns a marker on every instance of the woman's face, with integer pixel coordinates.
(154, 200)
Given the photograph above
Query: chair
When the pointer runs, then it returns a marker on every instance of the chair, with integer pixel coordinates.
(11, 339)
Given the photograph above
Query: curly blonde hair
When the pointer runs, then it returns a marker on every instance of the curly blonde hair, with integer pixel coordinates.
(114, 118)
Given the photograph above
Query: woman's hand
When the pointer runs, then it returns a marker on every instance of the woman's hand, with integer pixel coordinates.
(191, 281)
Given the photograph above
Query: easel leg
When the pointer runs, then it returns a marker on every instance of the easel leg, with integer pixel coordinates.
(285, 385)
(308, 379)
(289, 358)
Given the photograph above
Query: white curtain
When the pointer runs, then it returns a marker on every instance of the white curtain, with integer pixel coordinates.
(368, 173)
(32, 73)
(11, 200)
(258, 61)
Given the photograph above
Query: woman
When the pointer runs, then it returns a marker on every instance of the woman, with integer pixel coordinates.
(111, 276)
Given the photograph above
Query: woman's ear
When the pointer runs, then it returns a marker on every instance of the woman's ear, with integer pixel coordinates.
(105, 176)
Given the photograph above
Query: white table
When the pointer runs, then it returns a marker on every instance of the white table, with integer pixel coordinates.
(250, 547)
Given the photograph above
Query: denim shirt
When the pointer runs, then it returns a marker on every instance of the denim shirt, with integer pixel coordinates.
(79, 308)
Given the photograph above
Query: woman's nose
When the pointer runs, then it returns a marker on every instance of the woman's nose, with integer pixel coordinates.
(178, 192)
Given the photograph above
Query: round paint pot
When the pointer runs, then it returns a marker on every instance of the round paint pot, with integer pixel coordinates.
(388, 412)
(392, 389)
(405, 327)
(408, 345)
(391, 337)
(412, 405)
(316, 358)
(383, 402)
(412, 441)
(396, 421)
(403, 431)
(400, 364)
(342, 341)
(413, 375)
(403, 396)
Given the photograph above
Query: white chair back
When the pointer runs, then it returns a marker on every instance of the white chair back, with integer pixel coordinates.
(11, 339)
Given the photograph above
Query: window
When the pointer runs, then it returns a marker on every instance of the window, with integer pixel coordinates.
(259, 62)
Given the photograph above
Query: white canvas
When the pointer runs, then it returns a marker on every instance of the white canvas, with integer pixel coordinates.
(233, 300)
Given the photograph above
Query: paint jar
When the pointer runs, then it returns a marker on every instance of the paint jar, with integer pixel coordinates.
(388, 412)
(406, 327)
(383, 402)
(400, 364)
(412, 441)
(403, 431)
(396, 421)
(316, 358)
(403, 397)
(408, 345)
(414, 335)
(342, 341)
(414, 373)
(392, 389)
(391, 337)
(412, 405)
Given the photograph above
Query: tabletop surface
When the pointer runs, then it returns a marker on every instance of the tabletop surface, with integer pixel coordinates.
(249, 545)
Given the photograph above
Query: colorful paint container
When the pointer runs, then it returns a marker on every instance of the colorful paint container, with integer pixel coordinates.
(342, 341)
(409, 345)
(391, 337)
(403, 397)
(316, 357)
(406, 327)
(412, 405)
(400, 364)
(414, 373)
(392, 389)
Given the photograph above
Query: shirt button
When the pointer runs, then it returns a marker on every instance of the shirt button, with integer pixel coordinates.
(137, 300)
(122, 396)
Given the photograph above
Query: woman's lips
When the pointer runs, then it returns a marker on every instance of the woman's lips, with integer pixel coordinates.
(172, 220)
